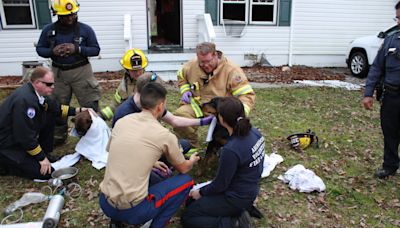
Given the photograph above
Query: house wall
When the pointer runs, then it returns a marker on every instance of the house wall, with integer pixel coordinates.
(321, 30)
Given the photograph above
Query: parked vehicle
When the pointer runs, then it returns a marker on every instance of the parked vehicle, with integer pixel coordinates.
(362, 51)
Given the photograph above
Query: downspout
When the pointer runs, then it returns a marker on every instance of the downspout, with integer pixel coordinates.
(291, 33)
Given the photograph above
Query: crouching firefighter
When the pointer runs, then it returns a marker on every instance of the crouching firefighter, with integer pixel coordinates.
(134, 62)
(209, 75)
(69, 43)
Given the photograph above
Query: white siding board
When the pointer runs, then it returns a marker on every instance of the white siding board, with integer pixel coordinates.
(325, 28)
(191, 9)
(322, 30)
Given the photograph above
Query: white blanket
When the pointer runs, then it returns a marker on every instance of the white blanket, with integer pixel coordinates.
(93, 144)
(303, 179)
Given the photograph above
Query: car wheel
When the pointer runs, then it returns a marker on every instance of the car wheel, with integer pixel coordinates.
(359, 64)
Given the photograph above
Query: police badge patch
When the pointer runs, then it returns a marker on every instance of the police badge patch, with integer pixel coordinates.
(30, 113)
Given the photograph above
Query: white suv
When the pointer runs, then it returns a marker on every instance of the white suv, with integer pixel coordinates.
(362, 51)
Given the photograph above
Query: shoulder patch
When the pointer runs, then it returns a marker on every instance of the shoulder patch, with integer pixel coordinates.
(31, 113)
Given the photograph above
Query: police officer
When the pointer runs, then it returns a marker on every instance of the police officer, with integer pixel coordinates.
(209, 75)
(69, 43)
(27, 127)
(134, 62)
(386, 69)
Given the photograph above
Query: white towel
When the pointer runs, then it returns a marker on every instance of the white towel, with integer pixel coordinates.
(66, 161)
(93, 144)
(211, 129)
(270, 163)
(303, 179)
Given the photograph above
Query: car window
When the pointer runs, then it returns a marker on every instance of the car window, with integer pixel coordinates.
(392, 30)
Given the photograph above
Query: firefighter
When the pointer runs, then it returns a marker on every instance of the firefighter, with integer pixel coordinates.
(209, 75)
(69, 43)
(134, 62)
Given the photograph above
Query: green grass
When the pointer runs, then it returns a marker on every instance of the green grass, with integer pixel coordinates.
(350, 150)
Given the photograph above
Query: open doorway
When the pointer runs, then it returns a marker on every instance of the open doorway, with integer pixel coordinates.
(164, 20)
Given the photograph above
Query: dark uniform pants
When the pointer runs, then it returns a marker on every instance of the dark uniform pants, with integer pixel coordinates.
(25, 166)
(214, 211)
(83, 84)
(162, 202)
(19, 163)
(390, 124)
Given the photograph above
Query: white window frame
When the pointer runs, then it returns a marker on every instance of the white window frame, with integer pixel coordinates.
(4, 22)
(263, 2)
(245, 2)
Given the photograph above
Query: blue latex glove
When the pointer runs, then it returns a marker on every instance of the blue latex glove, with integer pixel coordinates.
(206, 120)
(186, 97)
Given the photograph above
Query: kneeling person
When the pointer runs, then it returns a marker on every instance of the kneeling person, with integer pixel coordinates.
(27, 120)
(133, 152)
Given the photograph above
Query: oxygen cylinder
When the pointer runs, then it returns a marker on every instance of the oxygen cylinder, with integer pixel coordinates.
(53, 212)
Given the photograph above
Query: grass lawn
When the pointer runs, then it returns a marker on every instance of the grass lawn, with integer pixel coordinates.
(350, 150)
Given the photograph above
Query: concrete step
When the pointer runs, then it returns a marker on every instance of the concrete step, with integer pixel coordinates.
(167, 75)
(167, 63)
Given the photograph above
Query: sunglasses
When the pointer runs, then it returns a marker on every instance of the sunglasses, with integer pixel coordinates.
(48, 84)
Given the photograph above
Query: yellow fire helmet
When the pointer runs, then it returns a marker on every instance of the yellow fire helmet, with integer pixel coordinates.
(303, 140)
(64, 7)
(134, 59)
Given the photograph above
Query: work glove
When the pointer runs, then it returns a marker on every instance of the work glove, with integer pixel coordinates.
(186, 97)
(206, 120)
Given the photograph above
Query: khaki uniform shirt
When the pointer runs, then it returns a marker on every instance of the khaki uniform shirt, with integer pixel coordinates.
(137, 142)
(228, 79)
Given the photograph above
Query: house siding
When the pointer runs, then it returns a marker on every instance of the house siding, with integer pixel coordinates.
(321, 31)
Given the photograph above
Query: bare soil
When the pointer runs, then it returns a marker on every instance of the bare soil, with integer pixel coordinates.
(260, 74)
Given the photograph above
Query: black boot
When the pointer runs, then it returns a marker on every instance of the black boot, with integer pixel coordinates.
(384, 173)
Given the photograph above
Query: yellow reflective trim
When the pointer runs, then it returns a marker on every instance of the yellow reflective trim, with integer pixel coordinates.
(246, 109)
(35, 151)
(184, 88)
(243, 90)
(117, 97)
(64, 111)
(179, 74)
(191, 151)
(107, 112)
(196, 108)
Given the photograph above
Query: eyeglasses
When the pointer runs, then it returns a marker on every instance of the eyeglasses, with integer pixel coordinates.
(48, 84)
(205, 62)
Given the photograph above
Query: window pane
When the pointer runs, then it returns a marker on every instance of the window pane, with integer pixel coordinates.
(234, 12)
(18, 15)
(262, 13)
